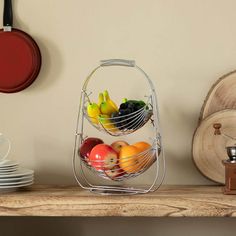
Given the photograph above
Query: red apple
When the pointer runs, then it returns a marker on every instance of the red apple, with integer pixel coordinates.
(87, 145)
(115, 172)
(103, 157)
(117, 145)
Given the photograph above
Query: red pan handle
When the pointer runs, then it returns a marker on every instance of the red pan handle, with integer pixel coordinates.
(7, 15)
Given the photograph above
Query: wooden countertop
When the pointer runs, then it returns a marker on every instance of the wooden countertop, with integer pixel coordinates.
(171, 201)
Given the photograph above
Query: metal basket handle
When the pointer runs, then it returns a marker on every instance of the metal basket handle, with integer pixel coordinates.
(117, 62)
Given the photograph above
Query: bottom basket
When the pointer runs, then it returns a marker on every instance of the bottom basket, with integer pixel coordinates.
(117, 169)
(117, 177)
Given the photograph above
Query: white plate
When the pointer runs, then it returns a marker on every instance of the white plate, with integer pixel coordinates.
(9, 177)
(8, 164)
(18, 173)
(16, 183)
(12, 168)
(8, 170)
(2, 166)
(7, 167)
(4, 180)
(15, 186)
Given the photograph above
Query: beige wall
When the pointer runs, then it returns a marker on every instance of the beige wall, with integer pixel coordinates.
(183, 45)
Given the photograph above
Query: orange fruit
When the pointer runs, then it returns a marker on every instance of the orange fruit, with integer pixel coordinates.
(142, 145)
(147, 158)
(128, 159)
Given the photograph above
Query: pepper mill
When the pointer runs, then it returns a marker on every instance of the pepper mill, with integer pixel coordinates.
(230, 163)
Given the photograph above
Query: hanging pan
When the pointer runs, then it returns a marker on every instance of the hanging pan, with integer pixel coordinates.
(20, 58)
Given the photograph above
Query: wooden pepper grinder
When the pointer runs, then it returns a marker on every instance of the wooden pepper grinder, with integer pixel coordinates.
(230, 163)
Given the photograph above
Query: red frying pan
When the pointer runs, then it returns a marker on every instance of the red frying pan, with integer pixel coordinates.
(20, 58)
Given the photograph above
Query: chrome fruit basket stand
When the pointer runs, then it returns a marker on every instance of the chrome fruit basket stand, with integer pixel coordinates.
(152, 157)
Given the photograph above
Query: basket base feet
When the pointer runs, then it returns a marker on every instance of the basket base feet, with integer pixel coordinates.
(113, 192)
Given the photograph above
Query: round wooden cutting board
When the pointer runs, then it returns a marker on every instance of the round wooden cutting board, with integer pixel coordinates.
(208, 149)
(221, 96)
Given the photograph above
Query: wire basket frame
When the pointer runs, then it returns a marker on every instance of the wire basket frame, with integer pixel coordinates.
(122, 124)
(127, 124)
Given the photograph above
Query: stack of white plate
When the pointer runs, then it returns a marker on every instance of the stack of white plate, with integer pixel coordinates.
(12, 176)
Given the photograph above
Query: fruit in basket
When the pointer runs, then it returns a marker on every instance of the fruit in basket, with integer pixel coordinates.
(120, 120)
(142, 146)
(103, 157)
(128, 120)
(93, 112)
(133, 105)
(106, 122)
(107, 106)
(100, 99)
(130, 116)
(148, 157)
(115, 172)
(108, 100)
(130, 159)
(117, 145)
(87, 145)
(116, 120)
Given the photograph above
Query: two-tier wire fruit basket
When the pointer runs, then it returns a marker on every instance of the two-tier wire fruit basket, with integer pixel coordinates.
(115, 174)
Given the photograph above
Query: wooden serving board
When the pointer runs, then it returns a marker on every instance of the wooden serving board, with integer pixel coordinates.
(222, 95)
(208, 150)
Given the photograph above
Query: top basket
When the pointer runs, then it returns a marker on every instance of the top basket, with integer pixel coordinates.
(125, 123)
(122, 124)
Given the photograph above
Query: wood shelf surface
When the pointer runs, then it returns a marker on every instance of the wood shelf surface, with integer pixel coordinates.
(168, 201)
